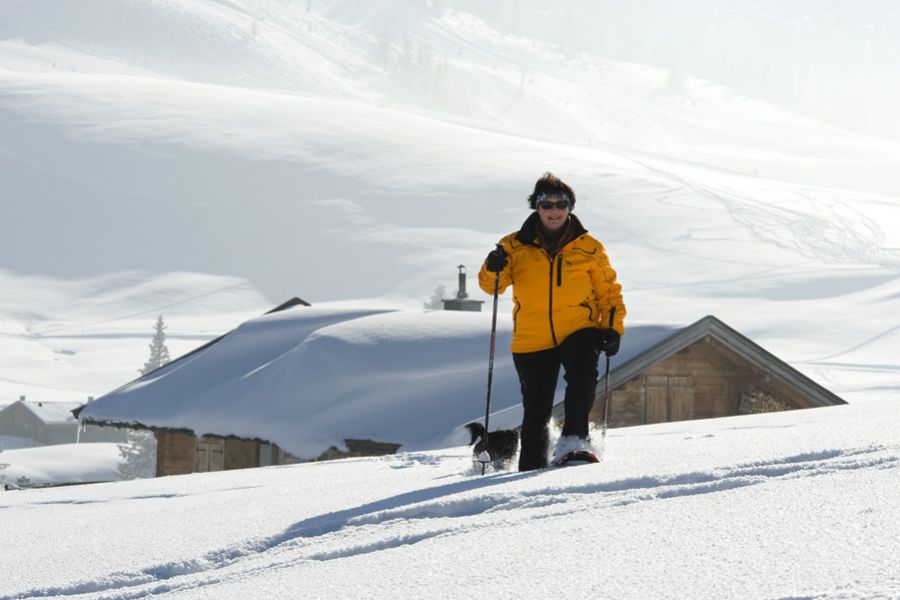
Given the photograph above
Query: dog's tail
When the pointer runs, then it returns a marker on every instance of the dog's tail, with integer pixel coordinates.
(476, 430)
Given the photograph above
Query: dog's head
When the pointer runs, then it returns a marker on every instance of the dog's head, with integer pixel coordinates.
(476, 431)
(502, 444)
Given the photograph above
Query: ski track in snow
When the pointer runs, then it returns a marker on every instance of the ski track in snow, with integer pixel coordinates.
(420, 515)
(814, 226)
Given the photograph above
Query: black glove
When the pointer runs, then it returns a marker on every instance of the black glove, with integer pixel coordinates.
(608, 341)
(497, 259)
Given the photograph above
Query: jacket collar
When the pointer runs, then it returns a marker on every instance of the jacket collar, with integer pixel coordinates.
(528, 232)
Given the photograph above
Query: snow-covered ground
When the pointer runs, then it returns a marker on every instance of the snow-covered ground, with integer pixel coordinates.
(799, 504)
(62, 463)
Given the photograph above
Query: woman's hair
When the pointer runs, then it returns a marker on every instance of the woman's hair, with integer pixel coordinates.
(551, 186)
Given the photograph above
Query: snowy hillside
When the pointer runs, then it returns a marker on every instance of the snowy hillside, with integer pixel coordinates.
(66, 340)
(339, 149)
(799, 504)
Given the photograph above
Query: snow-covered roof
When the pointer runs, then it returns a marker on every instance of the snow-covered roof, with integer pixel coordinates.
(52, 413)
(308, 378)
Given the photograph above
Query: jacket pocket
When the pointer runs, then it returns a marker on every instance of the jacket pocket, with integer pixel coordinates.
(516, 313)
(586, 303)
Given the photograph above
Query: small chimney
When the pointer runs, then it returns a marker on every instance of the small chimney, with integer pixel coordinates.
(21, 398)
(90, 399)
(462, 300)
(461, 294)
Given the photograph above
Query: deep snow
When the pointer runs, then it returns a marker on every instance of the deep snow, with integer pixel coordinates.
(61, 463)
(800, 504)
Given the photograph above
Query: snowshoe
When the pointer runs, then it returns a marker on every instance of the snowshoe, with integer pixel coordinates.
(576, 457)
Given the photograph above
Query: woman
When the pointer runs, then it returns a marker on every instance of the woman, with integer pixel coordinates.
(567, 310)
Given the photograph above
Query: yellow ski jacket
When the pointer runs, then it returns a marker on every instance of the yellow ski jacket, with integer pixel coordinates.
(554, 297)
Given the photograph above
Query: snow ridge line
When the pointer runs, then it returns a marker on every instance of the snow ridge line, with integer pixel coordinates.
(300, 534)
(629, 491)
(420, 515)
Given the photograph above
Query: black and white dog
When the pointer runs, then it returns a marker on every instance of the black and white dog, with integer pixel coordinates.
(502, 444)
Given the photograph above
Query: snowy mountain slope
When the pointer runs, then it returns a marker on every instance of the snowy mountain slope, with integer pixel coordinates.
(408, 53)
(223, 157)
(263, 46)
(828, 59)
(796, 504)
(753, 225)
(65, 340)
(337, 150)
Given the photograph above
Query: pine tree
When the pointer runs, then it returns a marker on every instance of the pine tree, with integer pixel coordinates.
(436, 302)
(138, 454)
(159, 354)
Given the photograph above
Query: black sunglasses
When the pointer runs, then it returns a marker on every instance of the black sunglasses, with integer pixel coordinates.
(548, 204)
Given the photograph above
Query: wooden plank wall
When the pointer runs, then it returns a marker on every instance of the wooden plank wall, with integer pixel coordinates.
(175, 453)
(241, 454)
(704, 380)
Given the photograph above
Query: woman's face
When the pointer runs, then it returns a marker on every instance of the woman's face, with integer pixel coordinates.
(554, 212)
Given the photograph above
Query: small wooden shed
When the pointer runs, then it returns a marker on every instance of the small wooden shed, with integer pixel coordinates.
(50, 423)
(703, 371)
(181, 452)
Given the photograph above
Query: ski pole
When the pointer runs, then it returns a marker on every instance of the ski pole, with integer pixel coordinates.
(605, 424)
(485, 457)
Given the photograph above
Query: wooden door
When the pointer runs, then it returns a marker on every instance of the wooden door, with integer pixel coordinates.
(656, 399)
(201, 458)
(209, 456)
(217, 455)
(668, 398)
(681, 398)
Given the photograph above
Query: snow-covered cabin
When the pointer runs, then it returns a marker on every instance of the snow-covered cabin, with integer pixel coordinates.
(50, 423)
(306, 383)
(245, 399)
(701, 371)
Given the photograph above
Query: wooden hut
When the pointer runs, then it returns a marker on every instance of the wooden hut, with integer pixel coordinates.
(49, 423)
(703, 371)
(181, 450)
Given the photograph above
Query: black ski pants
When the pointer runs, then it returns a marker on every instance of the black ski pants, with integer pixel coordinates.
(538, 374)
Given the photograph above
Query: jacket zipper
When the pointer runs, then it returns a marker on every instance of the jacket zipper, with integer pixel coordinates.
(552, 330)
(559, 271)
